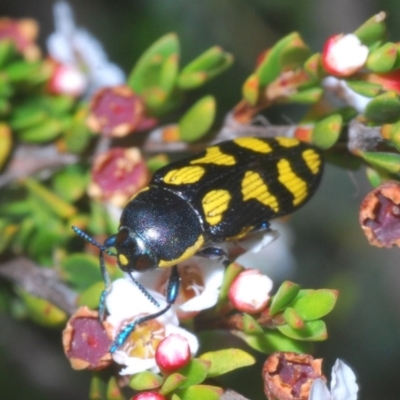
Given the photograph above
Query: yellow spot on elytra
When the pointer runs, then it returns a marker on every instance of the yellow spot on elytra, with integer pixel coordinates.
(312, 159)
(253, 144)
(189, 252)
(291, 181)
(185, 175)
(253, 187)
(123, 260)
(215, 156)
(287, 142)
(215, 203)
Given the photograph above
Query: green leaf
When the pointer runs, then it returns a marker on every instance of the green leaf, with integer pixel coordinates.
(172, 382)
(145, 380)
(364, 88)
(81, 270)
(197, 120)
(376, 176)
(22, 238)
(383, 108)
(113, 390)
(195, 372)
(294, 53)
(44, 131)
(250, 325)
(7, 52)
(312, 331)
(285, 294)
(226, 360)
(307, 96)
(292, 318)
(71, 183)
(8, 231)
(372, 30)
(90, 297)
(205, 67)
(154, 73)
(203, 392)
(41, 311)
(273, 340)
(327, 131)
(313, 66)
(387, 161)
(76, 134)
(383, 58)
(20, 71)
(250, 89)
(49, 199)
(316, 304)
(231, 272)
(98, 387)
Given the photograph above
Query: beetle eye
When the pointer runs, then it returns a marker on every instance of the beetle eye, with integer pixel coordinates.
(143, 262)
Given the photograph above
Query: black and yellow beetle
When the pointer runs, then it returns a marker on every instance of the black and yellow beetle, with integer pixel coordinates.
(223, 193)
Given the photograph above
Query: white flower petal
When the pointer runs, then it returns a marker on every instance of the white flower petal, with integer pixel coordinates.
(343, 385)
(319, 391)
(133, 364)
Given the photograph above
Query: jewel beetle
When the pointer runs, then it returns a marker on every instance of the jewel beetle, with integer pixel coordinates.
(224, 193)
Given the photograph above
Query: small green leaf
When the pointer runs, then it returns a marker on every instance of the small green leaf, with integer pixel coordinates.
(316, 304)
(364, 88)
(394, 135)
(226, 360)
(156, 162)
(231, 272)
(273, 340)
(376, 176)
(313, 66)
(372, 30)
(8, 231)
(76, 134)
(113, 390)
(327, 131)
(294, 53)
(293, 319)
(197, 120)
(250, 89)
(312, 331)
(203, 392)
(20, 71)
(98, 387)
(5, 143)
(81, 270)
(307, 96)
(383, 108)
(383, 58)
(7, 51)
(44, 131)
(285, 294)
(28, 116)
(71, 183)
(145, 380)
(172, 382)
(90, 297)
(250, 325)
(41, 311)
(387, 161)
(195, 372)
(49, 199)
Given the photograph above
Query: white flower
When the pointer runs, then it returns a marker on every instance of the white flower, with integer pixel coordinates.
(73, 46)
(343, 55)
(342, 92)
(343, 385)
(126, 302)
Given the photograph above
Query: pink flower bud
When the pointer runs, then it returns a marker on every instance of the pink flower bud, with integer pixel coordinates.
(343, 55)
(148, 396)
(172, 353)
(67, 79)
(249, 291)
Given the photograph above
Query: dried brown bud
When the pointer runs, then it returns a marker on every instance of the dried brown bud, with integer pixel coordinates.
(380, 215)
(289, 376)
(86, 341)
(115, 111)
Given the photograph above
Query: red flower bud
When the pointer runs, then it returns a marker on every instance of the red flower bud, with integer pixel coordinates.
(249, 291)
(172, 353)
(86, 341)
(117, 175)
(115, 111)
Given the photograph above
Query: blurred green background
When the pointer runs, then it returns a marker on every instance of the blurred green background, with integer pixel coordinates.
(330, 248)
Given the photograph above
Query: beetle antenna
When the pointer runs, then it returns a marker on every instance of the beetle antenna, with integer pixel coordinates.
(89, 239)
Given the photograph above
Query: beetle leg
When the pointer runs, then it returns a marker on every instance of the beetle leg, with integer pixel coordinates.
(215, 253)
(171, 295)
